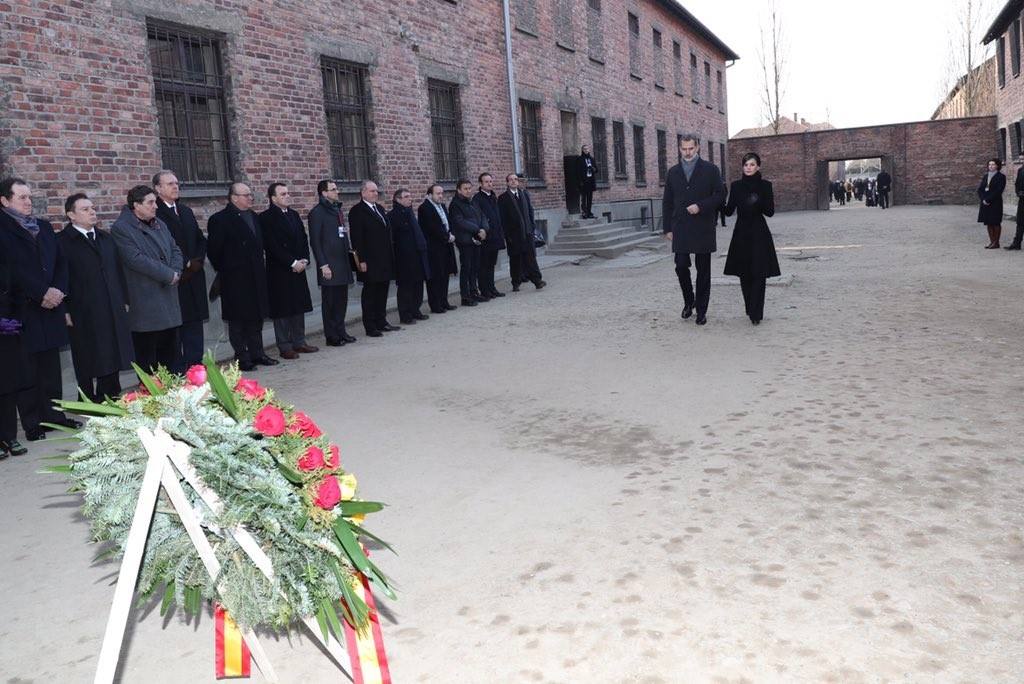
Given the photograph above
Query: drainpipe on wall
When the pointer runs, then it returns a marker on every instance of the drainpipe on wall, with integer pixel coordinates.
(510, 70)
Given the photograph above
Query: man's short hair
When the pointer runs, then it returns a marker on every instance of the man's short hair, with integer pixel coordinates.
(322, 186)
(510, 175)
(462, 181)
(398, 193)
(364, 184)
(272, 189)
(7, 186)
(69, 203)
(138, 194)
(234, 186)
(480, 178)
(430, 188)
(689, 137)
(159, 176)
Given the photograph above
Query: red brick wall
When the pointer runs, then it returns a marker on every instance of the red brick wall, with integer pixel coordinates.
(1009, 107)
(76, 100)
(931, 162)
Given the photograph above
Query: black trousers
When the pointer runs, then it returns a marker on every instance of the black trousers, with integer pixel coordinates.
(156, 348)
(753, 296)
(35, 403)
(8, 417)
(469, 270)
(410, 298)
(246, 339)
(190, 346)
(523, 266)
(334, 308)
(98, 389)
(703, 295)
(437, 292)
(586, 202)
(374, 300)
(488, 261)
(883, 198)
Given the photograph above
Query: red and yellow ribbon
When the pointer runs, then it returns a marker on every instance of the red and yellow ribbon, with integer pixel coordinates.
(366, 648)
(233, 659)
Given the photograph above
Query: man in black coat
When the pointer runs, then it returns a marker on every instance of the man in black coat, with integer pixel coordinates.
(235, 247)
(372, 243)
(435, 223)
(486, 200)
(287, 249)
(517, 220)
(40, 278)
(1018, 188)
(884, 183)
(329, 239)
(184, 228)
(412, 268)
(97, 302)
(689, 209)
(470, 229)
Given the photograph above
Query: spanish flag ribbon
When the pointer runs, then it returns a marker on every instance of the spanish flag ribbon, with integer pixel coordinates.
(366, 648)
(233, 659)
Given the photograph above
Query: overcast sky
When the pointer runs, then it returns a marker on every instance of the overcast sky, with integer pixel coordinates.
(856, 62)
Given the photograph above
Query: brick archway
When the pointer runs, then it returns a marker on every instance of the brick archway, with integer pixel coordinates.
(931, 162)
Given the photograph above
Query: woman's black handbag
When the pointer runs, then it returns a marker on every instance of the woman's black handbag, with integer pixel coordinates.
(538, 240)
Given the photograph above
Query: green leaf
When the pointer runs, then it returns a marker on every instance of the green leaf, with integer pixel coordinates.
(85, 397)
(168, 598)
(290, 474)
(351, 546)
(382, 580)
(301, 525)
(332, 620)
(349, 508)
(321, 619)
(225, 397)
(84, 409)
(61, 428)
(65, 468)
(147, 381)
(354, 608)
(359, 530)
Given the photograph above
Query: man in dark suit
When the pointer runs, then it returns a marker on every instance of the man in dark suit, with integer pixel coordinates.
(411, 264)
(1018, 190)
(435, 223)
(371, 241)
(689, 210)
(40, 278)
(287, 249)
(486, 200)
(195, 308)
(97, 302)
(470, 229)
(235, 247)
(517, 220)
(328, 236)
(884, 184)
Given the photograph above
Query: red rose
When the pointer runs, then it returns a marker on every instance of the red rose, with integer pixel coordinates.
(303, 425)
(250, 389)
(335, 459)
(313, 459)
(196, 375)
(132, 396)
(328, 494)
(269, 421)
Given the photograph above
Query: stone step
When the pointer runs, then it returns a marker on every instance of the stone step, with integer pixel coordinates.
(598, 234)
(611, 249)
(597, 246)
(574, 222)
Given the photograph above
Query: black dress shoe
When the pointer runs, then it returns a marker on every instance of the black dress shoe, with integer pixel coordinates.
(407, 321)
(755, 321)
(1013, 246)
(246, 366)
(35, 434)
(496, 293)
(481, 297)
(374, 333)
(438, 311)
(687, 310)
(69, 423)
(701, 319)
(265, 361)
(347, 339)
(539, 284)
(420, 316)
(515, 287)
(468, 302)
(450, 307)
(14, 448)
(332, 342)
(391, 328)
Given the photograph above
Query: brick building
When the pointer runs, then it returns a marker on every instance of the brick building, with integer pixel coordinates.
(96, 96)
(1005, 31)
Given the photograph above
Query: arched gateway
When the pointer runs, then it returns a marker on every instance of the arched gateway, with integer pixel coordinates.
(931, 162)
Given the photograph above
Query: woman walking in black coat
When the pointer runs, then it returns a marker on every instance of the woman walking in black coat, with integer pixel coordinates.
(588, 181)
(752, 251)
(990, 192)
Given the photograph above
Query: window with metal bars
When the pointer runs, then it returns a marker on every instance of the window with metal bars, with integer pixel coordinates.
(711, 152)
(677, 66)
(446, 130)
(1015, 140)
(634, 45)
(721, 94)
(1015, 48)
(662, 156)
(191, 102)
(599, 148)
(619, 149)
(530, 130)
(564, 33)
(1001, 60)
(595, 33)
(707, 84)
(659, 64)
(347, 110)
(694, 83)
(721, 159)
(639, 156)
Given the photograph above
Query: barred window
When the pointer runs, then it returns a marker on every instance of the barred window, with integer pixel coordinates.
(659, 66)
(1001, 60)
(526, 16)
(595, 34)
(639, 158)
(711, 152)
(721, 94)
(1015, 140)
(191, 102)
(347, 109)
(564, 33)
(662, 157)
(721, 159)
(446, 130)
(677, 66)
(1015, 48)
(707, 84)
(694, 87)
(1002, 143)
(530, 130)
(619, 149)
(634, 45)
(599, 145)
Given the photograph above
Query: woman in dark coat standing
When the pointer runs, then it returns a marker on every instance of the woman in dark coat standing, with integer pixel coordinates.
(752, 251)
(13, 361)
(588, 181)
(990, 192)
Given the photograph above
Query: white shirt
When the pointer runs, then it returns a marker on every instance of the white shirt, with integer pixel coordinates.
(87, 233)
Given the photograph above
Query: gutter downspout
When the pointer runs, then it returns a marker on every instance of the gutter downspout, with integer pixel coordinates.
(510, 71)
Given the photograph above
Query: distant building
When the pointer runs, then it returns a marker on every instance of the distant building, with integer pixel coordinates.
(786, 125)
(958, 104)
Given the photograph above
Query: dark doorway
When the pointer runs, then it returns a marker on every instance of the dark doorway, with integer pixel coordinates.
(570, 150)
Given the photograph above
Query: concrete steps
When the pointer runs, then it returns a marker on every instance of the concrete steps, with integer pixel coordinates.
(600, 238)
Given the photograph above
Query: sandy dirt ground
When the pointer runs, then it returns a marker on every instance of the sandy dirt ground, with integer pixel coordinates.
(585, 488)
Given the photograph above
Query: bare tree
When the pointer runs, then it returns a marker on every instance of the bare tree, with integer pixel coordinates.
(966, 56)
(772, 56)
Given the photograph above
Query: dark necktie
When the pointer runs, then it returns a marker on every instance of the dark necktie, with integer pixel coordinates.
(92, 235)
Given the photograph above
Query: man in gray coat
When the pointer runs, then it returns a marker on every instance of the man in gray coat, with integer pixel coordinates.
(152, 265)
(693, 193)
(328, 238)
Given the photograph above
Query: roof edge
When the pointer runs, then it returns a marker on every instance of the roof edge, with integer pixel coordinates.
(703, 31)
(1002, 20)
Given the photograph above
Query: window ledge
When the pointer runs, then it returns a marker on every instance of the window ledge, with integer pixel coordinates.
(536, 183)
(659, 86)
(203, 191)
(565, 46)
(694, 100)
(602, 185)
(597, 61)
(641, 184)
(621, 176)
(636, 76)
(527, 32)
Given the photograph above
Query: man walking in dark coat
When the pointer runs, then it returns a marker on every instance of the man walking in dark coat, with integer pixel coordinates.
(40, 280)
(235, 247)
(328, 236)
(195, 308)
(287, 249)
(470, 229)
(1018, 188)
(693, 194)
(884, 184)
(375, 255)
(486, 200)
(435, 223)
(412, 267)
(97, 303)
(517, 220)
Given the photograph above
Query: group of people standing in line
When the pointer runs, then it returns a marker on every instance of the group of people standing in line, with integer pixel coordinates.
(138, 292)
(990, 208)
(873, 191)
